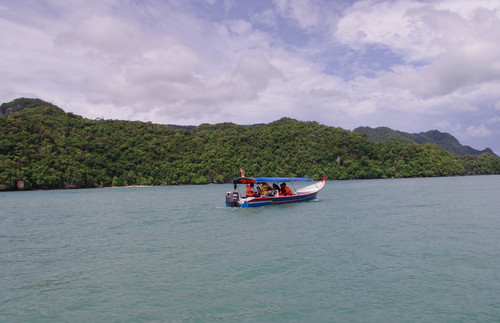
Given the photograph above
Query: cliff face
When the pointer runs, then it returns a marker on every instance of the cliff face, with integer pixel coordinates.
(440, 139)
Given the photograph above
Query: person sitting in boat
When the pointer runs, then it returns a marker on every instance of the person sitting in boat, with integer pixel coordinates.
(285, 190)
(251, 191)
(276, 189)
(265, 189)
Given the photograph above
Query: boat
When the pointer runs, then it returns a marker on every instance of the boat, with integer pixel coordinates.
(272, 197)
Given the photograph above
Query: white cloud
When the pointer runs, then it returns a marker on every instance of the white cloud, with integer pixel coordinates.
(267, 17)
(420, 31)
(240, 27)
(494, 120)
(306, 13)
(479, 131)
(105, 33)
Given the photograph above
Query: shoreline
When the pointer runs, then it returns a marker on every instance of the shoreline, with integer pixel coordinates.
(13, 189)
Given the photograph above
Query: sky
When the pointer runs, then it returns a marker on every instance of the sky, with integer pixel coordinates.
(409, 65)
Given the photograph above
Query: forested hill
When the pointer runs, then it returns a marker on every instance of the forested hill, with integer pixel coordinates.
(441, 139)
(44, 147)
(21, 104)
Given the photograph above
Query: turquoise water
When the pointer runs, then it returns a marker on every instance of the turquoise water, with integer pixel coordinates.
(401, 250)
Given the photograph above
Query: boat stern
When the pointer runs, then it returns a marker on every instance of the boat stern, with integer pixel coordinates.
(232, 199)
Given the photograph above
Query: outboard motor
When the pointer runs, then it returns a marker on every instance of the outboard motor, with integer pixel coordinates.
(232, 199)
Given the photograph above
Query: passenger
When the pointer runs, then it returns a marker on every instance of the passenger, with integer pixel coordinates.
(285, 190)
(265, 189)
(276, 189)
(251, 191)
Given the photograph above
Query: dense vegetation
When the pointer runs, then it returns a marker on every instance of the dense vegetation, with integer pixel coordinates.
(44, 147)
(441, 139)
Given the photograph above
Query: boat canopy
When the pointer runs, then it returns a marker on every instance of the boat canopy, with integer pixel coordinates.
(260, 180)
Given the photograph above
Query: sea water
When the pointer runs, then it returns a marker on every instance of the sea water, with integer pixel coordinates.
(398, 250)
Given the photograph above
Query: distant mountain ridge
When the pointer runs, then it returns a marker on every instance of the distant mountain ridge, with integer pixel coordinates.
(440, 139)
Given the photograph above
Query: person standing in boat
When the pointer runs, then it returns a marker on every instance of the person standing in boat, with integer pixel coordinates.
(251, 191)
(285, 190)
